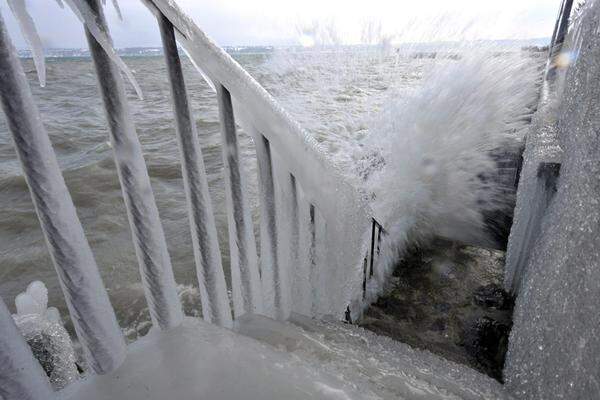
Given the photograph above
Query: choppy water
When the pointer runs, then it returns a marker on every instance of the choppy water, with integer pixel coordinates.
(332, 96)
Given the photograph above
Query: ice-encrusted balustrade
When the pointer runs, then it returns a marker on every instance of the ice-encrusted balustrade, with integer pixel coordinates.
(315, 227)
(318, 242)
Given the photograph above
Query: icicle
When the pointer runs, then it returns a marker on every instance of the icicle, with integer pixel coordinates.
(115, 4)
(85, 14)
(27, 26)
(60, 3)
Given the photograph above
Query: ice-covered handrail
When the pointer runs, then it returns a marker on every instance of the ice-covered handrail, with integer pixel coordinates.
(211, 278)
(341, 211)
(92, 315)
(147, 231)
(266, 114)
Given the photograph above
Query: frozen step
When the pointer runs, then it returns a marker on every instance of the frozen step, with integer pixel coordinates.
(201, 361)
(375, 366)
(303, 359)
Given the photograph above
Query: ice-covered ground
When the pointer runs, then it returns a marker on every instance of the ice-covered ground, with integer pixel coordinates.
(300, 360)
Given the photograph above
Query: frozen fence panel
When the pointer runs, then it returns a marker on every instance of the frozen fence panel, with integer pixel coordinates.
(21, 375)
(91, 312)
(211, 279)
(148, 235)
(245, 279)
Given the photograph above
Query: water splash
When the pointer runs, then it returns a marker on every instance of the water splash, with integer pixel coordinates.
(430, 150)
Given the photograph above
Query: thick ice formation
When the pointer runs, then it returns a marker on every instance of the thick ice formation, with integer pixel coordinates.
(27, 26)
(85, 14)
(555, 342)
(342, 207)
(43, 330)
(198, 360)
(375, 366)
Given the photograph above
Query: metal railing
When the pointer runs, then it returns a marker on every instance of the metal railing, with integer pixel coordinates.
(315, 227)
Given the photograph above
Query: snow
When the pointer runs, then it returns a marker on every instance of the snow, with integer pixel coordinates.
(27, 26)
(43, 331)
(87, 16)
(554, 346)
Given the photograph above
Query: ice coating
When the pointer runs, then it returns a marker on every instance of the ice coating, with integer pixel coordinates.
(142, 213)
(198, 360)
(30, 33)
(34, 300)
(60, 3)
(21, 376)
(86, 15)
(211, 278)
(344, 207)
(375, 366)
(272, 360)
(554, 346)
(91, 312)
(44, 333)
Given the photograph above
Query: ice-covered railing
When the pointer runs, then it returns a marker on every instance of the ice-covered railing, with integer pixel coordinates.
(318, 242)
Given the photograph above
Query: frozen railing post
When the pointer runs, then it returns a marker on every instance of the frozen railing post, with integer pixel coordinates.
(558, 36)
(242, 244)
(273, 269)
(21, 375)
(211, 279)
(92, 315)
(342, 215)
(148, 235)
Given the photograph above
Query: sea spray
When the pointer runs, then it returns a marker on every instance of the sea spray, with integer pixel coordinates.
(428, 154)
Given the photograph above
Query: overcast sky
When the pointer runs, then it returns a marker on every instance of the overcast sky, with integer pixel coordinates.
(276, 22)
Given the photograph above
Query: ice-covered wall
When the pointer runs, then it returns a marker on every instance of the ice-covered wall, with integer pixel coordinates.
(555, 343)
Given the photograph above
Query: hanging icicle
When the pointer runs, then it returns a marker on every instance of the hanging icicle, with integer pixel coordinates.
(27, 26)
(85, 14)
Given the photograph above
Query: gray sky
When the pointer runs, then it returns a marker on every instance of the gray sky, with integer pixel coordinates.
(262, 22)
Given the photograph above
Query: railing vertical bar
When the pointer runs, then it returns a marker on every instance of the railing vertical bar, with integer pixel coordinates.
(364, 282)
(91, 312)
(245, 277)
(274, 279)
(294, 221)
(21, 375)
(312, 258)
(379, 240)
(148, 235)
(373, 224)
(211, 279)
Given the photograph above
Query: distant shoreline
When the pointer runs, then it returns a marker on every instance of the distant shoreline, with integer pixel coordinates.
(75, 53)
